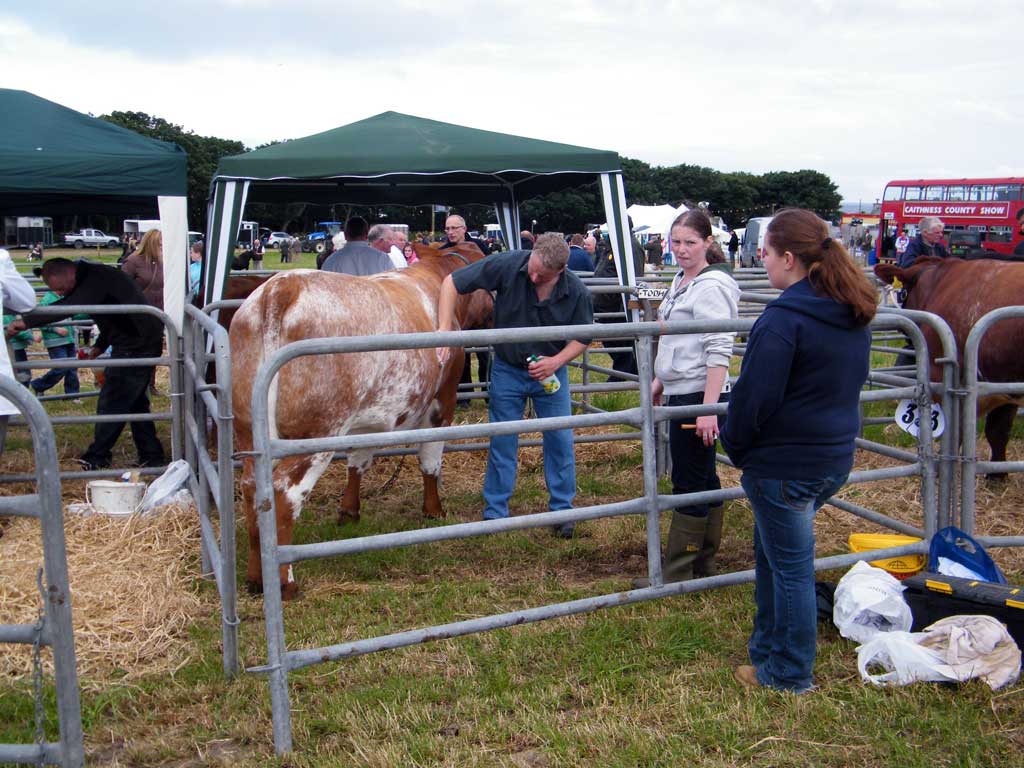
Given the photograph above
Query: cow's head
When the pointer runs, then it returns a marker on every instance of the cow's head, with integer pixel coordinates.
(474, 310)
(450, 258)
(918, 280)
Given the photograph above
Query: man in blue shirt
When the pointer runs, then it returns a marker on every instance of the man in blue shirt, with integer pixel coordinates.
(579, 259)
(532, 289)
(358, 257)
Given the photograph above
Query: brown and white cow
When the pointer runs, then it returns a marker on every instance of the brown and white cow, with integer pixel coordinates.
(961, 293)
(355, 393)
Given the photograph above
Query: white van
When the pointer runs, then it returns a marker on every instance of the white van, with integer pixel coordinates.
(752, 250)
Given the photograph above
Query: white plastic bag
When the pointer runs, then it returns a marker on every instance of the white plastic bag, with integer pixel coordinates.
(953, 649)
(869, 600)
(164, 489)
(905, 660)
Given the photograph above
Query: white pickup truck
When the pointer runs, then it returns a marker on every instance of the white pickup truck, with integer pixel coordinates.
(84, 237)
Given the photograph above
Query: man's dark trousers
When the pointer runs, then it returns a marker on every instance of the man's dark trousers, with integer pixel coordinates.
(125, 391)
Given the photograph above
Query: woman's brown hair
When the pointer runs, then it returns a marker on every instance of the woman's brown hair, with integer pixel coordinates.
(699, 222)
(829, 267)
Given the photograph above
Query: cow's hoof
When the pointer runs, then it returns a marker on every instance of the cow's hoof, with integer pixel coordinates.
(346, 516)
(433, 514)
(1001, 477)
(289, 591)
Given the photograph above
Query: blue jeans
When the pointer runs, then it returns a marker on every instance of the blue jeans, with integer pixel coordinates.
(510, 387)
(52, 376)
(783, 644)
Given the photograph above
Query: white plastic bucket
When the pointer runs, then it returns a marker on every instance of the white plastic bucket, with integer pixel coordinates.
(109, 497)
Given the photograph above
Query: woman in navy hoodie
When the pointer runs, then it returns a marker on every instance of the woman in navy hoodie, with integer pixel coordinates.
(793, 417)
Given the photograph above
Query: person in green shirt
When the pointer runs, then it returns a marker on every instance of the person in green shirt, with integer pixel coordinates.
(59, 341)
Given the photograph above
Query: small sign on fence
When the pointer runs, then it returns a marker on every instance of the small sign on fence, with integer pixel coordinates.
(648, 292)
(908, 418)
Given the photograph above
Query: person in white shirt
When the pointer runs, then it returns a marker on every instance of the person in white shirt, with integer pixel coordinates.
(18, 296)
(397, 252)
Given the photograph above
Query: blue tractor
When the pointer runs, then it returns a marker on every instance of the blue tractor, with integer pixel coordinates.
(317, 239)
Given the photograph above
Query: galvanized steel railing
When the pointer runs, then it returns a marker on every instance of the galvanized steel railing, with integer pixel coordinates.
(213, 479)
(56, 630)
(973, 389)
(280, 660)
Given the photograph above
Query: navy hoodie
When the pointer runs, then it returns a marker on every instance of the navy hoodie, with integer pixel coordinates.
(793, 413)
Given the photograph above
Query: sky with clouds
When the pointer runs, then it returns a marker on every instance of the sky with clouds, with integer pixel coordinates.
(863, 91)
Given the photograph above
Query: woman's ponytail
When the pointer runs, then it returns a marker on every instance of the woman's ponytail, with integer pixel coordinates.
(830, 269)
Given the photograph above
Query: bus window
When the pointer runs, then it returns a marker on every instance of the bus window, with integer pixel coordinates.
(1007, 192)
(998, 234)
(956, 193)
(934, 193)
(893, 193)
(912, 193)
(981, 192)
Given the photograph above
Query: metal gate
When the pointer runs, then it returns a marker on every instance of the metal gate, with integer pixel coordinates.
(54, 628)
(645, 417)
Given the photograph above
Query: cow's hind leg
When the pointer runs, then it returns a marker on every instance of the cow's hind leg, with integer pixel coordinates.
(294, 477)
(430, 465)
(253, 572)
(998, 425)
(441, 413)
(358, 463)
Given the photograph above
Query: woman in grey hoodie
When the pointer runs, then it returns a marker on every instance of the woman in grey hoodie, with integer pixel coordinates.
(693, 369)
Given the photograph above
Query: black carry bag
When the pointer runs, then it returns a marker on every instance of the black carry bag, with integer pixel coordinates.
(934, 596)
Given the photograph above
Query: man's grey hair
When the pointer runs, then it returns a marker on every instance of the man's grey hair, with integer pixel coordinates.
(378, 232)
(552, 250)
(928, 223)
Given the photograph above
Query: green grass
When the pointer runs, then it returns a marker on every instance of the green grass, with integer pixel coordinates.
(635, 686)
(643, 685)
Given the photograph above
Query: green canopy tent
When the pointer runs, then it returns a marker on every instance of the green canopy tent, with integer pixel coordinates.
(55, 160)
(396, 159)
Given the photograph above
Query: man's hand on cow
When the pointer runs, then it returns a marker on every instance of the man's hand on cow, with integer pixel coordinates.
(543, 368)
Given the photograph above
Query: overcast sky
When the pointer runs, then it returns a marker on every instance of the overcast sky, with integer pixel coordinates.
(864, 91)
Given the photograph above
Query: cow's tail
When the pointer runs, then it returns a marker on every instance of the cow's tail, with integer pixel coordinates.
(273, 309)
(264, 319)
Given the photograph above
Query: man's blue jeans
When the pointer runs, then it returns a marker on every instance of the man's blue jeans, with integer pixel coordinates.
(510, 387)
(783, 644)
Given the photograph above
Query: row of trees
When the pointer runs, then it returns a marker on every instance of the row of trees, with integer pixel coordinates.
(734, 196)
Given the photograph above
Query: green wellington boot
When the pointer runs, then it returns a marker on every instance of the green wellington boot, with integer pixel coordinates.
(685, 542)
(705, 564)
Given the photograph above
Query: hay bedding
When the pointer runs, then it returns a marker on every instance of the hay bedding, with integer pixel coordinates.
(132, 590)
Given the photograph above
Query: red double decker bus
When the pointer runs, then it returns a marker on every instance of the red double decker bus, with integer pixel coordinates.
(984, 210)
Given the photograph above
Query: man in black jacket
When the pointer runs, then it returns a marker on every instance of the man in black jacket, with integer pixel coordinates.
(125, 390)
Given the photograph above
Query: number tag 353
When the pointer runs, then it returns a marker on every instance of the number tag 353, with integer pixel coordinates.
(908, 418)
